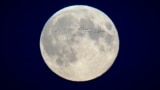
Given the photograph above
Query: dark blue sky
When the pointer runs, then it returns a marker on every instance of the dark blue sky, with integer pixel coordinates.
(22, 66)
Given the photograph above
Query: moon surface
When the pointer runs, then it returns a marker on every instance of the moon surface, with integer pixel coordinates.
(79, 43)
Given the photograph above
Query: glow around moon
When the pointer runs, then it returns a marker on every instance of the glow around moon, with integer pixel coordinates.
(79, 43)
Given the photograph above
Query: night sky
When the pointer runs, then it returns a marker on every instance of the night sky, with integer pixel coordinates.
(21, 63)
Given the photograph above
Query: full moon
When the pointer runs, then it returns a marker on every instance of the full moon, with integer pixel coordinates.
(79, 43)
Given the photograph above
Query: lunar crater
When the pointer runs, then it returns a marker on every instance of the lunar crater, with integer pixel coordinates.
(108, 26)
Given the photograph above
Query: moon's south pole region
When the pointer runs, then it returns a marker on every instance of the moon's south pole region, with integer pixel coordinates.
(79, 43)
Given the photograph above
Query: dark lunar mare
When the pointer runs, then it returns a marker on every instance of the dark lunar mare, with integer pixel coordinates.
(60, 28)
(95, 33)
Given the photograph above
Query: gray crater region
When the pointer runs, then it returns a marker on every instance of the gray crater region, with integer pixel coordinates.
(61, 27)
(58, 49)
(95, 33)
